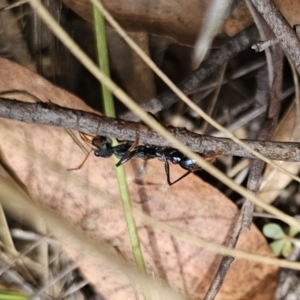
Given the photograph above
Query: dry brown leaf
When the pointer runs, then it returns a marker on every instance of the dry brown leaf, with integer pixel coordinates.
(241, 17)
(83, 198)
(180, 20)
(136, 78)
(290, 10)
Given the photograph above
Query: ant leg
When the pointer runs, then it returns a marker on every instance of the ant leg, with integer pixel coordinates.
(81, 165)
(167, 170)
(87, 138)
(126, 157)
(99, 141)
(136, 143)
(184, 175)
(129, 154)
(210, 159)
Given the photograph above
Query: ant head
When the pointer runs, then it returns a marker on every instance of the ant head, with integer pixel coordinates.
(103, 146)
(103, 151)
(101, 141)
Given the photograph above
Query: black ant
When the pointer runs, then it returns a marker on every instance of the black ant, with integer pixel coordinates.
(127, 150)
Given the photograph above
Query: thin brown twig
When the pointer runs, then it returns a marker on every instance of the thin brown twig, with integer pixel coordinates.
(275, 64)
(281, 28)
(262, 46)
(219, 57)
(274, 59)
(245, 219)
(267, 132)
(225, 263)
(55, 115)
(215, 96)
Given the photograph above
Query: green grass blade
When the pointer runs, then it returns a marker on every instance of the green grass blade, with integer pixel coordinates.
(4, 295)
(109, 110)
(103, 61)
(129, 218)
